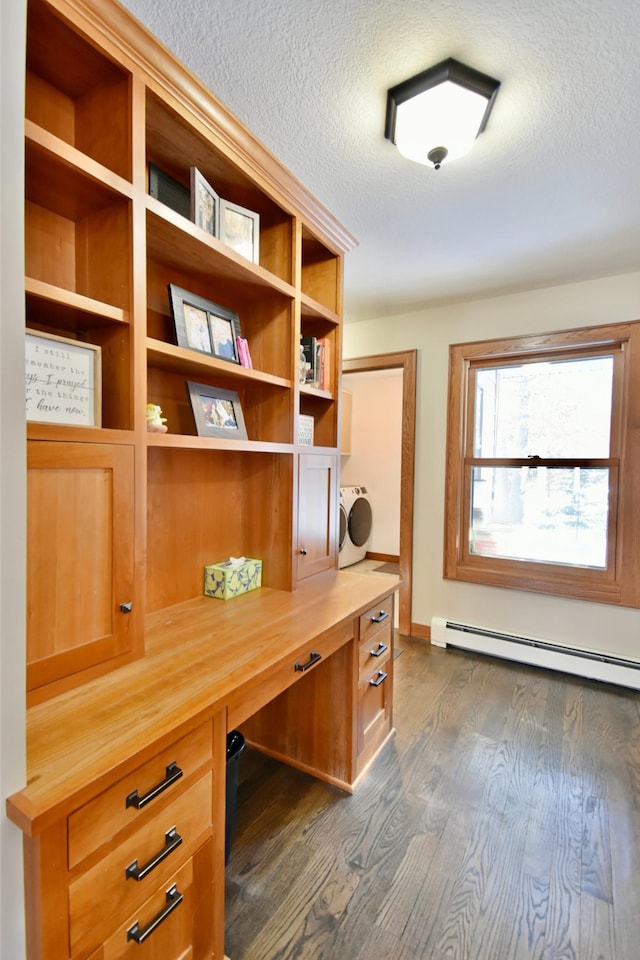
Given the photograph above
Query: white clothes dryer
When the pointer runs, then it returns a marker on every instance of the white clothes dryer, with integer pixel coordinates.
(356, 521)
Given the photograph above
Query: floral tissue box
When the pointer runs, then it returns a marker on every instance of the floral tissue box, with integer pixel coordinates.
(232, 577)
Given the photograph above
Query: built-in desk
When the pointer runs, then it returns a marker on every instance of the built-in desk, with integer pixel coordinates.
(123, 812)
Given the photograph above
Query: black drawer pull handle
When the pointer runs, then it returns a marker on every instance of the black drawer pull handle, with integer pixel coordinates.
(310, 662)
(173, 773)
(174, 899)
(383, 615)
(171, 841)
(380, 677)
(380, 649)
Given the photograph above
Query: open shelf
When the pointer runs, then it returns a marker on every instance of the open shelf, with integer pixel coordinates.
(190, 363)
(307, 390)
(313, 312)
(174, 240)
(323, 409)
(174, 145)
(87, 223)
(209, 502)
(179, 253)
(181, 442)
(266, 406)
(52, 306)
(76, 92)
(321, 274)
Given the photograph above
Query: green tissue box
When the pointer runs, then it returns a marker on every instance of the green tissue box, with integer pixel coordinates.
(228, 579)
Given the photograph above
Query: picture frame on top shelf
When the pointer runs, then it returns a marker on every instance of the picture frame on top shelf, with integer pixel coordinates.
(203, 325)
(63, 380)
(217, 412)
(169, 191)
(240, 229)
(205, 204)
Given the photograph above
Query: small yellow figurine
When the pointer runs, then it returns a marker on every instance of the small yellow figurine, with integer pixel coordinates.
(156, 423)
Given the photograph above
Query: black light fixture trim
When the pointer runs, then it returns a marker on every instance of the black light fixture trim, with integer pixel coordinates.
(449, 69)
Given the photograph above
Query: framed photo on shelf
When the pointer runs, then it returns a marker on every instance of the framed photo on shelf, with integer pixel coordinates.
(240, 229)
(217, 412)
(63, 380)
(205, 203)
(168, 191)
(204, 326)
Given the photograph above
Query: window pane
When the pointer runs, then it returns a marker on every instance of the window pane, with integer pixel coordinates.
(540, 514)
(551, 409)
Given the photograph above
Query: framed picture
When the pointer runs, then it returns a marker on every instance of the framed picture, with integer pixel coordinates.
(217, 412)
(240, 229)
(204, 326)
(63, 380)
(205, 203)
(168, 191)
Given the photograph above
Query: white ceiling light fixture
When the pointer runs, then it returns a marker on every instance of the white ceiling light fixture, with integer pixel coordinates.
(439, 113)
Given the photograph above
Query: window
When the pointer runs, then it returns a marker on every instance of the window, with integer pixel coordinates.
(542, 464)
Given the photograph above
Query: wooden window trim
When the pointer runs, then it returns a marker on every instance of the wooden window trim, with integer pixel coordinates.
(620, 582)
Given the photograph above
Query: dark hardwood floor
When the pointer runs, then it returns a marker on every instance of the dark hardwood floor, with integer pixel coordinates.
(503, 823)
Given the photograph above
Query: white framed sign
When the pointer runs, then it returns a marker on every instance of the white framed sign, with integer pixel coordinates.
(62, 380)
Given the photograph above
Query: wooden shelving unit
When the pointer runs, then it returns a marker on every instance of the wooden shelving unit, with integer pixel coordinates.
(100, 254)
(122, 521)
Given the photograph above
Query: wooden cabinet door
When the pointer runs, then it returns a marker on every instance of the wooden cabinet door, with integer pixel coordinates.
(80, 557)
(317, 514)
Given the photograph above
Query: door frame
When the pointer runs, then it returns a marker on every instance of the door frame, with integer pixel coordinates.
(407, 362)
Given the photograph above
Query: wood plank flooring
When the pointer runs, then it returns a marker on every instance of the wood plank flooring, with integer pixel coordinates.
(503, 823)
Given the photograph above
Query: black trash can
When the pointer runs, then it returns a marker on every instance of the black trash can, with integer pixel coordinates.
(235, 746)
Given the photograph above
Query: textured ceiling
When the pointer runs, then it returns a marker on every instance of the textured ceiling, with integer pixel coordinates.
(550, 192)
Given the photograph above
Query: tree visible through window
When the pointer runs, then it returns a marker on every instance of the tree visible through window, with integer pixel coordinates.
(535, 463)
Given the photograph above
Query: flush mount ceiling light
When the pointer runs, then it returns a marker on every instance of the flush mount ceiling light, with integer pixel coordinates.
(438, 114)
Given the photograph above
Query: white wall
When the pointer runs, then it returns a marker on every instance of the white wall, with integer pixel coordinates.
(12, 476)
(376, 450)
(608, 300)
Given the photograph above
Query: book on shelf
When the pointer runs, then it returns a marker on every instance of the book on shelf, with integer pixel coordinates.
(310, 355)
(323, 364)
(317, 353)
(244, 354)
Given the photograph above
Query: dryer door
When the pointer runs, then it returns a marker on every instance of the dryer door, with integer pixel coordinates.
(360, 518)
(343, 525)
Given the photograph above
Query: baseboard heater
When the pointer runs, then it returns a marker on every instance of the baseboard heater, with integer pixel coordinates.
(541, 653)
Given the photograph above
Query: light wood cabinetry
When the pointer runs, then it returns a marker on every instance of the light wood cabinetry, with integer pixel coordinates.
(103, 104)
(125, 798)
(134, 677)
(317, 500)
(352, 666)
(80, 551)
(375, 678)
(134, 864)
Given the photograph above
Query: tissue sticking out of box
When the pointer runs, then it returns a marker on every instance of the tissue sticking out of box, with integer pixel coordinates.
(234, 561)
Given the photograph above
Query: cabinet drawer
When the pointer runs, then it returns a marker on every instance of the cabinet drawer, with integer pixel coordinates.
(107, 893)
(374, 650)
(164, 922)
(374, 697)
(241, 705)
(101, 819)
(376, 618)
